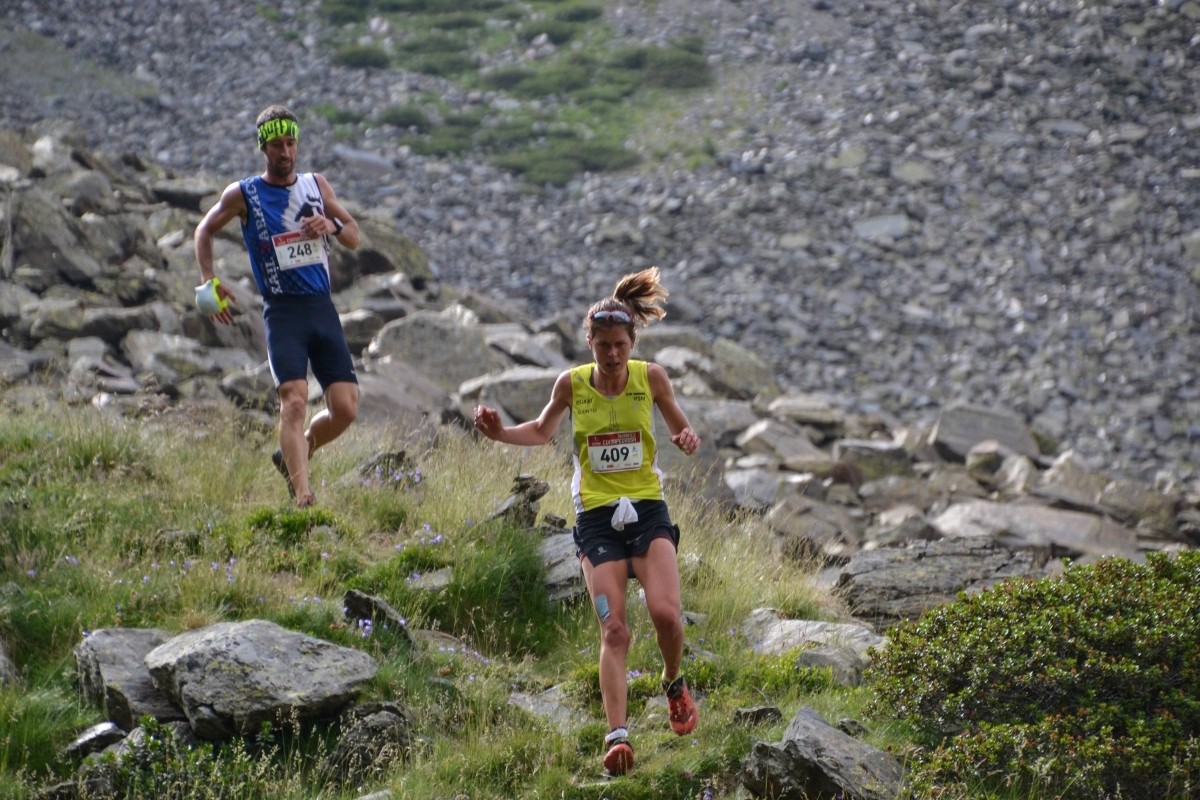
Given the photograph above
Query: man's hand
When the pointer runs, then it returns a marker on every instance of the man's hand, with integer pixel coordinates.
(487, 420)
(225, 317)
(317, 226)
(686, 440)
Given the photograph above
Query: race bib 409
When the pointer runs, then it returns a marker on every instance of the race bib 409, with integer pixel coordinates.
(615, 452)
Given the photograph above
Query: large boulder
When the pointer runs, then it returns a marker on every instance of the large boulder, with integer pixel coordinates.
(395, 393)
(1024, 527)
(521, 391)
(739, 373)
(1070, 482)
(522, 348)
(382, 249)
(903, 583)
(111, 668)
(784, 441)
(70, 319)
(876, 459)
(769, 633)
(654, 338)
(564, 575)
(231, 677)
(816, 761)
(444, 349)
(805, 527)
(185, 193)
(50, 242)
(807, 409)
(961, 426)
(171, 358)
(374, 737)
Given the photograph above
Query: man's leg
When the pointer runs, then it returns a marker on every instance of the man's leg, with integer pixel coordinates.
(293, 407)
(608, 581)
(658, 572)
(341, 408)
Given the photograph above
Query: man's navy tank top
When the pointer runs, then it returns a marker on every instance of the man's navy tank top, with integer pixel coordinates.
(285, 263)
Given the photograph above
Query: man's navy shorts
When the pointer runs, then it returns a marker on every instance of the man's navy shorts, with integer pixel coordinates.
(596, 538)
(303, 329)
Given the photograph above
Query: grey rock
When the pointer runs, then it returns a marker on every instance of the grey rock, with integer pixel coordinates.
(894, 491)
(1022, 527)
(94, 738)
(771, 634)
(806, 409)
(69, 320)
(805, 527)
(900, 525)
(382, 794)
(753, 489)
(521, 391)
(816, 760)
(904, 583)
(550, 706)
(8, 670)
(170, 358)
(524, 350)
(90, 192)
(781, 440)
(740, 374)
(679, 360)
(185, 193)
(564, 575)
(110, 666)
(1017, 475)
(382, 249)
(370, 744)
(888, 226)
(656, 337)
(360, 327)
(50, 241)
(842, 662)
(394, 393)
(961, 426)
(876, 459)
(358, 605)
(251, 387)
(443, 349)
(1071, 483)
(231, 677)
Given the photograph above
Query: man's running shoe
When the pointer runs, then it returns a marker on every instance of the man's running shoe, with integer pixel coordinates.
(619, 758)
(281, 465)
(683, 711)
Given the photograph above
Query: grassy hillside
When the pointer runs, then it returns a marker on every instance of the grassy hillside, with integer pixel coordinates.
(179, 521)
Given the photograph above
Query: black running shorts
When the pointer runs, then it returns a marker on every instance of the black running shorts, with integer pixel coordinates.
(303, 329)
(596, 538)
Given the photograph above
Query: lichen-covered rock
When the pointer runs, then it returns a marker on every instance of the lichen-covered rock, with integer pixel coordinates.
(816, 761)
(111, 668)
(231, 677)
(374, 737)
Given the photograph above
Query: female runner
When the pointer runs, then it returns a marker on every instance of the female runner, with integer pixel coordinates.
(621, 519)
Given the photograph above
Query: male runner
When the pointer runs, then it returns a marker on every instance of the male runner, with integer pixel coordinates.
(287, 219)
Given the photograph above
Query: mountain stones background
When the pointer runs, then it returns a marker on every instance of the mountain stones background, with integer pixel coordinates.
(926, 202)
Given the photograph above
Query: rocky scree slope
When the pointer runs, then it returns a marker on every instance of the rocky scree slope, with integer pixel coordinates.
(910, 203)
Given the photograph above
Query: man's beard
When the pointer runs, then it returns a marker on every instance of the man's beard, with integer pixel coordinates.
(277, 169)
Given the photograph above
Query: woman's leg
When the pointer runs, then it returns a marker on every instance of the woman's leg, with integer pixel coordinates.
(658, 572)
(606, 585)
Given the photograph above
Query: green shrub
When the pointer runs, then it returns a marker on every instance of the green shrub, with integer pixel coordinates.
(507, 77)
(666, 67)
(340, 12)
(775, 675)
(559, 32)
(290, 526)
(561, 160)
(404, 117)
(446, 64)
(1084, 686)
(362, 56)
(433, 43)
(554, 79)
(338, 116)
(578, 13)
(458, 21)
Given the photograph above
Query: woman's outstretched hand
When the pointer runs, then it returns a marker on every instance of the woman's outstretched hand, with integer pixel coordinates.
(686, 440)
(487, 420)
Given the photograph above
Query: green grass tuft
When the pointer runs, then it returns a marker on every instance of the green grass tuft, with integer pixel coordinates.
(579, 13)
(338, 116)
(362, 56)
(404, 117)
(558, 31)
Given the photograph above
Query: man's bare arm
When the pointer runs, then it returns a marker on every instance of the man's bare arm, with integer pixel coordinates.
(350, 236)
(232, 204)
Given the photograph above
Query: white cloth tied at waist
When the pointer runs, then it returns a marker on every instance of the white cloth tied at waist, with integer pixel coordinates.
(624, 514)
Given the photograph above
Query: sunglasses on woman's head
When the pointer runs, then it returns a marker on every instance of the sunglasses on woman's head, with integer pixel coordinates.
(612, 316)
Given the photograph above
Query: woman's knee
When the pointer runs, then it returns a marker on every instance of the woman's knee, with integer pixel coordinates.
(615, 635)
(667, 619)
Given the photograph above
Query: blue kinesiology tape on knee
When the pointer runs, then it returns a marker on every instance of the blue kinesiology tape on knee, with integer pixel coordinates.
(602, 607)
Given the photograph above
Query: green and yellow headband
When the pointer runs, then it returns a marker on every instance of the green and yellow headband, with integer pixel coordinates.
(274, 128)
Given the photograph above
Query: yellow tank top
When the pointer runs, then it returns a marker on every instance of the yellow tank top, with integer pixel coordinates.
(615, 452)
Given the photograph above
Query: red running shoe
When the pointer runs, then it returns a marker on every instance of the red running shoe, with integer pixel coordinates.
(683, 710)
(619, 758)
